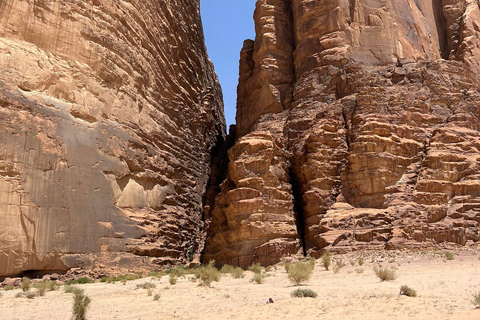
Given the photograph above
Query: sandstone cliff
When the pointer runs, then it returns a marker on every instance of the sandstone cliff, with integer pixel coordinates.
(352, 131)
(109, 111)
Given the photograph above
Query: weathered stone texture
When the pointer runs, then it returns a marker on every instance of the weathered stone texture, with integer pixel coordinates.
(108, 111)
(380, 137)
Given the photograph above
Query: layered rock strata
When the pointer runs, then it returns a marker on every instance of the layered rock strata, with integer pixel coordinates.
(376, 147)
(109, 111)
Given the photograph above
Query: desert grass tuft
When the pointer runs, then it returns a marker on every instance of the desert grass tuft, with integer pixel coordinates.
(303, 293)
(299, 272)
(326, 259)
(255, 268)
(339, 264)
(407, 291)
(385, 274)
(80, 305)
(258, 278)
(449, 255)
(146, 285)
(156, 297)
(207, 274)
(26, 284)
(361, 260)
(237, 273)
(226, 268)
(476, 300)
(83, 280)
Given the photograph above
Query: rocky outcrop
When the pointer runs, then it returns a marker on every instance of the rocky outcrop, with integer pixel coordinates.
(109, 110)
(373, 144)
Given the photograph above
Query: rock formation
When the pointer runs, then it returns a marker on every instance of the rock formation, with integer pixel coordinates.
(109, 111)
(357, 127)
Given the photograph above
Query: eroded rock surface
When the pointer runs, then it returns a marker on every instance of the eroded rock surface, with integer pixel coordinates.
(108, 111)
(374, 144)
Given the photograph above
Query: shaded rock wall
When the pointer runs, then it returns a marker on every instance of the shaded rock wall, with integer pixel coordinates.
(108, 111)
(373, 144)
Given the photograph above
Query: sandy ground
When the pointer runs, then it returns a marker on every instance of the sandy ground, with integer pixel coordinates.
(445, 289)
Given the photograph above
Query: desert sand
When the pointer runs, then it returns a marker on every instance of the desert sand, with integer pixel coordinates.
(445, 289)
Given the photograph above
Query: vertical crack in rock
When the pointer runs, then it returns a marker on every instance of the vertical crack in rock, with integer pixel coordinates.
(298, 209)
(441, 27)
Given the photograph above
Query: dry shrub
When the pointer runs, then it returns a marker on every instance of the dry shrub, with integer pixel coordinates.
(303, 293)
(476, 299)
(258, 278)
(146, 285)
(237, 273)
(299, 272)
(407, 291)
(326, 259)
(80, 305)
(26, 284)
(226, 268)
(208, 273)
(385, 274)
(255, 268)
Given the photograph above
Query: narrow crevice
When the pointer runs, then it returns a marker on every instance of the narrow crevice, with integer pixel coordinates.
(218, 173)
(298, 209)
(441, 25)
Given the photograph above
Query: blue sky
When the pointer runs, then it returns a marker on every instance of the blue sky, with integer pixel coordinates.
(226, 24)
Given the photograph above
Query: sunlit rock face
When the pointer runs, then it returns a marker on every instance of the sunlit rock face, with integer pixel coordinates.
(357, 127)
(108, 111)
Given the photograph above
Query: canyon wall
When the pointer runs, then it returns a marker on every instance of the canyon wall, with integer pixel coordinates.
(109, 111)
(357, 127)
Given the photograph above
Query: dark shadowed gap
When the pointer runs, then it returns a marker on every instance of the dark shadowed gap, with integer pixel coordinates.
(441, 23)
(298, 209)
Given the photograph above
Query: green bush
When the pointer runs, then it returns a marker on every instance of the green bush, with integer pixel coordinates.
(146, 285)
(41, 291)
(258, 278)
(80, 305)
(339, 264)
(326, 259)
(178, 271)
(476, 299)
(407, 291)
(122, 278)
(173, 280)
(46, 286)
(449, 255)
(26, 284)
(303, 293)
(300, 272)
(385, 274)
(156, 297)
(156, 274)
(83, 280)
(226, 269)
(361, 260)
(9, 287)
(68, 288)
(208, 273)
(255, 268)
(237, 273)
